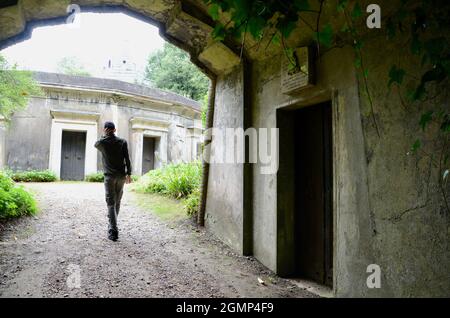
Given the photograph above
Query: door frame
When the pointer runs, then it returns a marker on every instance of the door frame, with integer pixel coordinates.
(146, 127)
(73, 121)
(286, 261)
(84, 134)
(156, 146)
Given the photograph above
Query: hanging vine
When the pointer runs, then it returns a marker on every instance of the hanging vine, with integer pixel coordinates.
(421, 24)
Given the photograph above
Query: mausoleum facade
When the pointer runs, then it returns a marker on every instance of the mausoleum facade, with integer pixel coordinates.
(57, 131)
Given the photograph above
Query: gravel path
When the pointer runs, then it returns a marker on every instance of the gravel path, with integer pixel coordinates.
(64, 252)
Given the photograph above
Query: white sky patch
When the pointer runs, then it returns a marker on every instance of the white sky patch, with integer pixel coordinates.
(99, 37)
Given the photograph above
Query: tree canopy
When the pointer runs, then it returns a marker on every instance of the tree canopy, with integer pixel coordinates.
(71, 66)
(171, 69)
(15, 88)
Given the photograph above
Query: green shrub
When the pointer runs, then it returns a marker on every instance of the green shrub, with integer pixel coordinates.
(179, 181)
(175, 180)
(192, 203)
(99, 177)
(135, 178)
(14, 200)
(32, 176)
(95, 177)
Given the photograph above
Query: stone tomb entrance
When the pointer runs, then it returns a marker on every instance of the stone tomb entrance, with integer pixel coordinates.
(73, 153)
(305, 217)
(148, 154)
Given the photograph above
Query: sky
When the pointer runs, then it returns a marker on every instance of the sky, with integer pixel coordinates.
(93, 39)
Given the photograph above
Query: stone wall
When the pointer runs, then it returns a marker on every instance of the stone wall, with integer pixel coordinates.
(26, 149)
(388, 208)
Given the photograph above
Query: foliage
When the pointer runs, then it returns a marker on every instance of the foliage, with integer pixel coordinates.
(422, 26)
(99, 177)
(192, 203)
(32, 176)
(71, 66)
(95, 177)
(15, 88)
(14, 200)
(171, 69)
(180, 181)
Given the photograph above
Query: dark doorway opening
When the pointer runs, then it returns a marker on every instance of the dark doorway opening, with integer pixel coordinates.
(73, 154)
(148, 154)
(305, 217)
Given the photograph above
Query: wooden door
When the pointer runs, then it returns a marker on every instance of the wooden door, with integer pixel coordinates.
(313, 190)
(148, 154)
(73, 155)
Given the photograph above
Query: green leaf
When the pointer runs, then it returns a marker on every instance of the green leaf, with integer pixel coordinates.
(357, 11)
(256, 26)
(286, 26)
(426, 119)
(416, 146)
(325, 36)
(366, 73)
(219, 32)
(396, 75)
(276, 39)
(342, 5)
(214, 11)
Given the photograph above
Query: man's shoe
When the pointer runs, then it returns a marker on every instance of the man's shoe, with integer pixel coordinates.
(113, 235)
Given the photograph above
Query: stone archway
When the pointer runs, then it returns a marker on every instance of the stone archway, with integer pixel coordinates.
(185, 24)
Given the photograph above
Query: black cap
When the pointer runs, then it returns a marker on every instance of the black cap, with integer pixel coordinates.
(110, 125)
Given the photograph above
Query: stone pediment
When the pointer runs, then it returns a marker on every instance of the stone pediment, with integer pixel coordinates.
(61, 114)
(149, 124)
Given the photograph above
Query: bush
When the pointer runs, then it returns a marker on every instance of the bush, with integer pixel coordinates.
(95, 177)
(14, 200)
(99, 177)
(175, 180)
(192, 203)
(32, 176)
(179, 181)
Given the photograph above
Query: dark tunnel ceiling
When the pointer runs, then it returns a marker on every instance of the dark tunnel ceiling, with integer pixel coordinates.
(8, 3)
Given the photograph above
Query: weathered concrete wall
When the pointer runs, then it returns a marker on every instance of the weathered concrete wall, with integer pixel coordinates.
(388, 209)
(28, 137)
(224, 208)
(3, 132)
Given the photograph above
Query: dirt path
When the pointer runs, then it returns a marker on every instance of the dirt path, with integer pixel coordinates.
(42, 256)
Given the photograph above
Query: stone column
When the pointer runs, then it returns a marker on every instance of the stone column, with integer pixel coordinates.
(3, 130)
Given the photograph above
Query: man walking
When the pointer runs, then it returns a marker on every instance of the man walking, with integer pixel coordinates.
(117, 171)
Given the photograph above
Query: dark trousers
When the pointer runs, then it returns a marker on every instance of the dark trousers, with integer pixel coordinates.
(113, 192)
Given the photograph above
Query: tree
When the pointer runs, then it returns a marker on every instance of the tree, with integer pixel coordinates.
(71, 66)
(171, 69)
(15, 88)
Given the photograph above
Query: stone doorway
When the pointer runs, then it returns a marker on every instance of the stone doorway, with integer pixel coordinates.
(73, 155)
(305, 177)
(148, 154)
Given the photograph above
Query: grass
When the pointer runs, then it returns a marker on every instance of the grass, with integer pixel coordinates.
(165, 208)
(180, 181)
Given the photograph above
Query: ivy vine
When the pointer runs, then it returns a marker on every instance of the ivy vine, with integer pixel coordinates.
(421, 24)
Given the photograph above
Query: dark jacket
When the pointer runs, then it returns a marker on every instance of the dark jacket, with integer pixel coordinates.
(115, 155)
